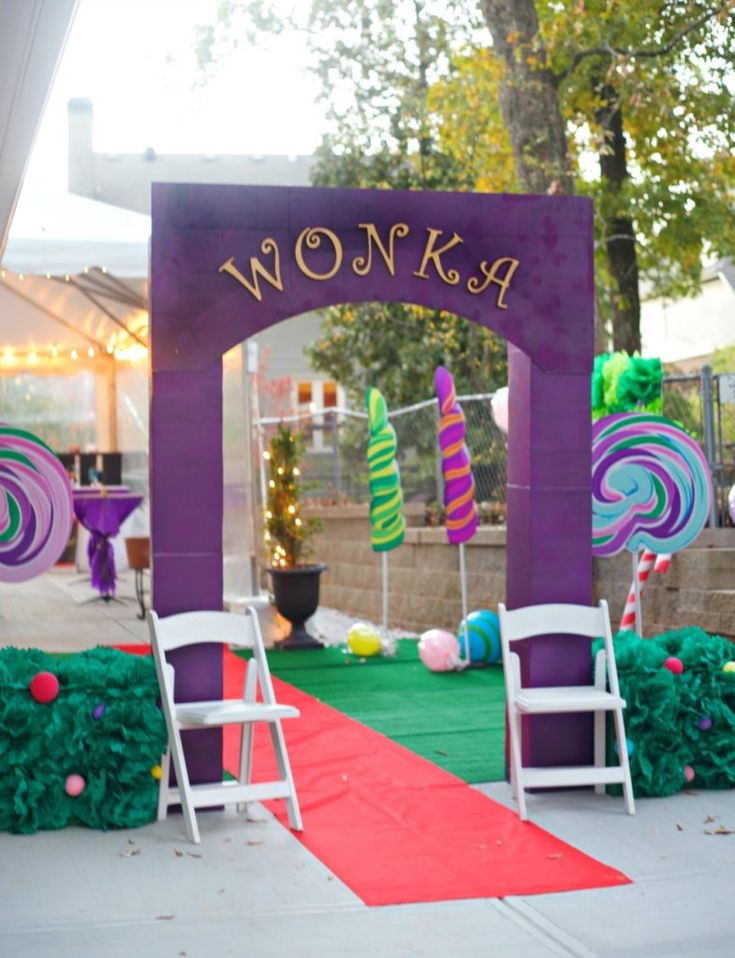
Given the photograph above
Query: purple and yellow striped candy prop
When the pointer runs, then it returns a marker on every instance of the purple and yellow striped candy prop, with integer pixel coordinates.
(651, 489)
(36, 509)
(459, 486)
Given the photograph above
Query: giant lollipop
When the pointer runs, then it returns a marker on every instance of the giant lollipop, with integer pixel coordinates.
(35, 505)
(387, 524)
(651, 487)
(459, 486)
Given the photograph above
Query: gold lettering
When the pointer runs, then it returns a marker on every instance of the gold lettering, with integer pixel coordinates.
(490, 273)
(451, 276)
(257, 270)
(361, 264)
(312, 237)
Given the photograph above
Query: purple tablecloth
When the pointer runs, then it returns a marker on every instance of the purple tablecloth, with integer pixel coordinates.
(103, 513)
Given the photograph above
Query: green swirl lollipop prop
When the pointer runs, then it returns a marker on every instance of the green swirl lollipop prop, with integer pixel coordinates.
(387, 524)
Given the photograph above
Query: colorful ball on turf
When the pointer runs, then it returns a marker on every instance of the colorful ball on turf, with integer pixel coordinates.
(363, 639)
(483, 627)
(44, 687)
(439, 650)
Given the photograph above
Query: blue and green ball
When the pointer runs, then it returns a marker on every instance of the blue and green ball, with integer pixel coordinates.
(483, 627)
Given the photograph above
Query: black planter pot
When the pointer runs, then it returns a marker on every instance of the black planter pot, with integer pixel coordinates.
(296, 592)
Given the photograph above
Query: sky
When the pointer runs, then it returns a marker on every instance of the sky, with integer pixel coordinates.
(135, 60)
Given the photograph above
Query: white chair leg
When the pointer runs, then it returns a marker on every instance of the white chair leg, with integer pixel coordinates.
(284, 768)
(516, 777)
(246, 741)
(185, 794)
(600, 743)
(163, 785)
(625, 764)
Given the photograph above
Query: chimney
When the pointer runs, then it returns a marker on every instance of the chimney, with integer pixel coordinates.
(81, 176)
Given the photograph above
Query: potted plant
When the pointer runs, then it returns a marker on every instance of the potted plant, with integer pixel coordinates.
(287, 537)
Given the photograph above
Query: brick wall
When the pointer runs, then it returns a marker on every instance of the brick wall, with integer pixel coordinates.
(699, 588)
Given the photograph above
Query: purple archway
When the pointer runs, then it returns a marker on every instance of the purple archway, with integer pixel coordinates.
(229, 261)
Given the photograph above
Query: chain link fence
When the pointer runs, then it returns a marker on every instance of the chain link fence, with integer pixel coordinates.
(335, 467)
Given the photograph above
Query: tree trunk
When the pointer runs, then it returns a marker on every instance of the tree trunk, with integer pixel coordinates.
(529, 98)
(622, 262)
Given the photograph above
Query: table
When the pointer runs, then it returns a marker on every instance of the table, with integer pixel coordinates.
(102, 513)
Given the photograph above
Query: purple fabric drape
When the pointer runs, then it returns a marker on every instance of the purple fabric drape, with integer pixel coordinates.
(102, 515)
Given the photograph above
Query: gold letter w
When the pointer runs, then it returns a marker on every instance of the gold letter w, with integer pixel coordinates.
(257, 270)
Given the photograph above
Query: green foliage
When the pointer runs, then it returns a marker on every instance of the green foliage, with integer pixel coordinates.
(623, 383)
(41, 744)
(287, 534)
(664, 710)
(398, 347)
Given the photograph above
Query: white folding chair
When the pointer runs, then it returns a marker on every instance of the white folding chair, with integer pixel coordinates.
(226, 628)
(540, 620)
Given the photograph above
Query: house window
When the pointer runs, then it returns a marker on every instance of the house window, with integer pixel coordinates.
(329, 395)
(304, 393)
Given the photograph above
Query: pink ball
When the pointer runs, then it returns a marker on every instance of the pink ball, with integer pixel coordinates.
(74, 785)
(689, 773)
(44, 687)
(674, 665)
(439, 650)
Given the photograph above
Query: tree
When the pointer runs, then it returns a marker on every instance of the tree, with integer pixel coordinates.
(650, 87)
(419, 96)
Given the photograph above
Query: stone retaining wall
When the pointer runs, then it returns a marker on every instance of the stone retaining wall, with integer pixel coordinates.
(699, 588)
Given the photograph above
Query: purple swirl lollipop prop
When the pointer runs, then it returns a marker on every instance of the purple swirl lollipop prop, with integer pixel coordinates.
(36, 509)
(651, 485)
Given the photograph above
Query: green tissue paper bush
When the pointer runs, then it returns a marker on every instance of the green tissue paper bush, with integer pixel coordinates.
(664, 710)
(42, 744)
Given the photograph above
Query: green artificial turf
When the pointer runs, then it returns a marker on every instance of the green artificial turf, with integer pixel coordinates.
(454, 719)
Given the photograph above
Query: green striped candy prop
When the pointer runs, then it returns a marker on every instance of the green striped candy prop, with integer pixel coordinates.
(483, 627)
(386, 499)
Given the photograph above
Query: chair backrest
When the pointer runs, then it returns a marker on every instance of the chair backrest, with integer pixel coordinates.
(559, 619)
(224, 628)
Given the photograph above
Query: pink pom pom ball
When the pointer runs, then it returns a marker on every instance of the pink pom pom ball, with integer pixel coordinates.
(439, 650)
(674, 665)
(689, 773)
(44, 687)
(74, 785)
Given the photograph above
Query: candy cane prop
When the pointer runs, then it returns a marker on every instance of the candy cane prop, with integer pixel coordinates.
(459, 487)
(632, 614)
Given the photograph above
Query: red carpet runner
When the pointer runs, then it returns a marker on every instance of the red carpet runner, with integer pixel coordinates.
(394, 827)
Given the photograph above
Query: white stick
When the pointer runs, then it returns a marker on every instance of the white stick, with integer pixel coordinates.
(463, 587)
(385, 593)
(637, 587)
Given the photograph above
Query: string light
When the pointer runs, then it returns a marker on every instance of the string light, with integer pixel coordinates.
(272, 484)
(296, 471)
(74, 354)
